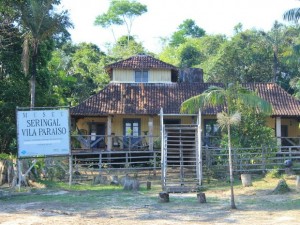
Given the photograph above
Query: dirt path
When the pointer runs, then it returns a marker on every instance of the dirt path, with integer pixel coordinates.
(88, 207)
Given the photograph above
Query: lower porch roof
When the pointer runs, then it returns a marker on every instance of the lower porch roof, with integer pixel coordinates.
(148, 99)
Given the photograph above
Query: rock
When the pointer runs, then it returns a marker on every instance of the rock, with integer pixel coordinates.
(201, 197)
(100, 179)
(246, 179)
(163, 197)
(281, 187)
(130, 183)
(114, 180)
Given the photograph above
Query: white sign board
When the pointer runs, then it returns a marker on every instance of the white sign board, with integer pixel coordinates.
(43, 132)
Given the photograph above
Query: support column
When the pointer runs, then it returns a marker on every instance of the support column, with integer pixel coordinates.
(150, 127)
(278, 130)
(109, 137)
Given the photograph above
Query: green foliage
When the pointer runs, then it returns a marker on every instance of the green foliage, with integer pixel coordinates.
(188, 29)
(273, 173)
(244, 58)
(189, 56)
(295, 84)
(121, 12)
(6, 156)
(252, 130)
(124, 49)
(292, 14)
(13, 85)
(77, 72)
(203, 51)
(232, 95)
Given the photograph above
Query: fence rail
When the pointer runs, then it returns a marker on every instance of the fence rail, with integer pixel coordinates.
(148, 163)
(251, 159)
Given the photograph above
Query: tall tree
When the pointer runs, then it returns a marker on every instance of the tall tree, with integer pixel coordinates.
(227, 97)
(38, 21)
(244, 58)
(188, 29)
(77, 72)
(194, 52)
(13, 84)
(275, 39)
(124, 49)
(121, 12)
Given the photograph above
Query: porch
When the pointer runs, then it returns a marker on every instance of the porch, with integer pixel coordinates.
(92, 143)
(214, 162)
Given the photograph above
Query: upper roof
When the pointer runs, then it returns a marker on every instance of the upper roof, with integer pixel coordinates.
(141, 62)
(145, 98)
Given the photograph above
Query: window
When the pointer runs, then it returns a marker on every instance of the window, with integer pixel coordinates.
(211, 128)
(132, 127)
(212, 132)
(141, 76)
(132, 132)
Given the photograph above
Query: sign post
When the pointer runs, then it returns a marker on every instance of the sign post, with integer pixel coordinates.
(43, 132)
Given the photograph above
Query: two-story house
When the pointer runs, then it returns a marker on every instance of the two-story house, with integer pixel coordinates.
(125, 114)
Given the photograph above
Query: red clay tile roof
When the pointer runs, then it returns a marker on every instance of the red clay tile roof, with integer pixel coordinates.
(148, 98)
(283, 103)
(141, 62)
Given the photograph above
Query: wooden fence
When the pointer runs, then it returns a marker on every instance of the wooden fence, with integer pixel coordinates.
(251, 159)
(148, 163)
(215, 160)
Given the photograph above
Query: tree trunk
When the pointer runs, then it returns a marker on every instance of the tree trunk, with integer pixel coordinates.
(33, 77)
(230, 169)
(201, 197)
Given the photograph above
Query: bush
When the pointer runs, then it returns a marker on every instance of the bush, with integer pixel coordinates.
(273, 173)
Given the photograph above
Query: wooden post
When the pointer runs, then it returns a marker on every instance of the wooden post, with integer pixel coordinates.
(100, 162)
(154, 163)
(19, 173)
(164, 197)
(109, 137)
(278, 130)
(298, 183)
(70, 169)
(148, 185)
(263, 156)
(201, 197)
(150, 133)
(207, 156)
(127, 162)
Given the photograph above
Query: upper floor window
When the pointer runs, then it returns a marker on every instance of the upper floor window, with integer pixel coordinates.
(141, 76)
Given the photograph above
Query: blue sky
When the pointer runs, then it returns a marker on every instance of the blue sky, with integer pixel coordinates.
(164, 16)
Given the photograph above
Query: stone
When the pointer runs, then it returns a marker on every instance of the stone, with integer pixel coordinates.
(201, 197)
(164, 197)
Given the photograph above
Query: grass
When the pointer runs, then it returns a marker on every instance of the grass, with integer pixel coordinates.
(106, 196)
(80, 187)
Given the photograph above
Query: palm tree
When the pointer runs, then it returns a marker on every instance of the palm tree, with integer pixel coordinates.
(39, 22)
(227, 97)
(292, 14)
(275, 39)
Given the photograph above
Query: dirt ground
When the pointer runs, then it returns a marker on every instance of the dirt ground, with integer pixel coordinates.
(255, 206)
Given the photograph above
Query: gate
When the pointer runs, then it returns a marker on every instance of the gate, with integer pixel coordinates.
(181, 157)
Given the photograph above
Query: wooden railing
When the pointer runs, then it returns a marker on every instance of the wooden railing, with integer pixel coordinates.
(146, 142)
(259, 159)
(92, 142)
